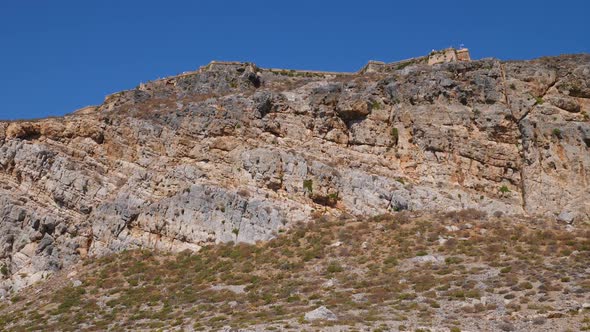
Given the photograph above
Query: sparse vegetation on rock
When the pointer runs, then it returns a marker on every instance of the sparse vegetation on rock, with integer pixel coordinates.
(498, 268)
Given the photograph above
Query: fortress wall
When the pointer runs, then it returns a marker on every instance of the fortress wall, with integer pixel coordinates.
(448, 55)
(372, 67)
(463, 55)
(296, 72)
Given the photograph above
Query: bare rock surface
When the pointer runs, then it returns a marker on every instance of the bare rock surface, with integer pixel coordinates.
(237, 153)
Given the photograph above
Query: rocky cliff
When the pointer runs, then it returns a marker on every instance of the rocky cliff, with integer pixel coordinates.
(233, 152)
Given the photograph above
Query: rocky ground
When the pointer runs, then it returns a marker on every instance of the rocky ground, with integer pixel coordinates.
(459, 271)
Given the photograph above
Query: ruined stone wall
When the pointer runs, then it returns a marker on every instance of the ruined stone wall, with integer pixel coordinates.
(448, 55)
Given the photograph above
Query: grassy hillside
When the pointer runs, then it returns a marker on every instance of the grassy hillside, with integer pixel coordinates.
(415, 272)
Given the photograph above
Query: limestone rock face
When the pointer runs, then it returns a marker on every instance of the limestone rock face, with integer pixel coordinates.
(233, 152)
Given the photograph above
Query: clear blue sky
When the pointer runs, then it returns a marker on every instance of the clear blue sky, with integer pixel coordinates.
(57, 56)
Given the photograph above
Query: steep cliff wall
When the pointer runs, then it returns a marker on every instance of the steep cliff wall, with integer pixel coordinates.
(234, 153)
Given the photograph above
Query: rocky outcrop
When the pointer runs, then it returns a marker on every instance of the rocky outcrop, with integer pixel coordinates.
(233, 152)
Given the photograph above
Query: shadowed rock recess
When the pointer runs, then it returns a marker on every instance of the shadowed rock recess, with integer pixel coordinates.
(233, 152)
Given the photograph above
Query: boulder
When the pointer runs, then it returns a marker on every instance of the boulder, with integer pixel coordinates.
(321, 313)
(566, 216)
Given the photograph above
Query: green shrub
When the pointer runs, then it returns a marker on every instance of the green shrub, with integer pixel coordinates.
(406, 296)
(394, 136)
(16, 298)
(4, 270)
(453, 260)
(334, 196)
(334, 267)
(390, 261)
(308, 185)
(70, 297)
(375, 105)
